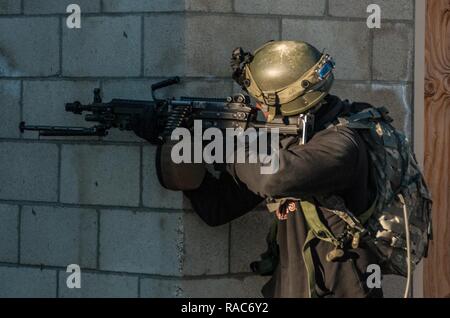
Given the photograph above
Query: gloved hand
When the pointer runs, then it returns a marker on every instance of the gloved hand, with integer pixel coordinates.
(145, 125)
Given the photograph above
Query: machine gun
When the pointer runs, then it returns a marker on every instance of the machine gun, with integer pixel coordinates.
(232, 112)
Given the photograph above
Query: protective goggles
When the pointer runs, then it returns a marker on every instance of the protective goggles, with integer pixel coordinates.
(320, 72)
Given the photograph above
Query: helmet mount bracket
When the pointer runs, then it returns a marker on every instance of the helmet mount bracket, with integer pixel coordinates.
(239, 59)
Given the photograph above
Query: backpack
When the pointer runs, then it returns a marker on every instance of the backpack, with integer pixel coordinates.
(402, 197)
(402, 201)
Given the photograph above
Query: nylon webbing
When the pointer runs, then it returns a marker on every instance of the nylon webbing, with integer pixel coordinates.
(363, 218)
(309, 265)
(315, 223)
(316, 230)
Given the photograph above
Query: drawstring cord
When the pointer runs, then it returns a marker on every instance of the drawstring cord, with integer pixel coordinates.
(408, 247)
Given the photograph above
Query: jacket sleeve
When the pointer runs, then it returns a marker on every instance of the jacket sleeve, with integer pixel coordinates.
(219, 201)
(324, 165)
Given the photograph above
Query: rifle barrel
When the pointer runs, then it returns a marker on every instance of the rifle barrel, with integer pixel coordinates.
(63, 131)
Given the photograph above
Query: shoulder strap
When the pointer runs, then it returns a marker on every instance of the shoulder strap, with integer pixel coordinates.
(316, 230)
(360, 119)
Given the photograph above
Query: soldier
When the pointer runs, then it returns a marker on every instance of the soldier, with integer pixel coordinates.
(328, 171)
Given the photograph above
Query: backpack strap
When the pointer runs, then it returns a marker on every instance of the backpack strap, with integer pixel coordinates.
(311, 216)
(309, 265)
(369, 113)
(316, 230)
(363, 218)
(316, 225)
(360, 119)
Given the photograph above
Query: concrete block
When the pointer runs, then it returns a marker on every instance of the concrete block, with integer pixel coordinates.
(59, 6)
(29, 171)
(143, 5)
(222, 35)
(347, 42)
(139, 242)
(248, 239)
(247, 287)
(105, 175)
(205, 248)
(397, 98)
(281, 7)
(9, 7)
(44, 103)
(29, 46)
(153, 194)
(10, 114)
(167, 5)
(161, 288)
(209, 6)
(22, 282)
(178, 46)
(58, 236)
(164, 46)
(226, 287)
(104, 46)
(140, 89)
(390, 9)
(117, 135)
(393, 52)
(95, 285)
(9, 234)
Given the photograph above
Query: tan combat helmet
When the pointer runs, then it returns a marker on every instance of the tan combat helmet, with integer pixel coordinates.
(290, 77)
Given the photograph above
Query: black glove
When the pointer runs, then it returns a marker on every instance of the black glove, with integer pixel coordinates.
(145, 125)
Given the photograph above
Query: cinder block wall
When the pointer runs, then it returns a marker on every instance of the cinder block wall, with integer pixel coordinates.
(97, 203)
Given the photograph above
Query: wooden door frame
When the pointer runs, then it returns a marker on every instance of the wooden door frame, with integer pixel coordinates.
(419, 109)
